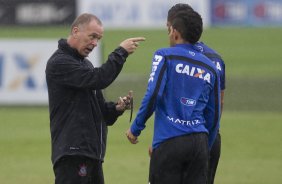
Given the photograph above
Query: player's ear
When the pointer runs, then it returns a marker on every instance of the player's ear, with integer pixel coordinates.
(176, 34)
(170, 30)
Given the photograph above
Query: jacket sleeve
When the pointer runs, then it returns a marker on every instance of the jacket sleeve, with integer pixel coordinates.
(155, 89)
(68, 71)
(108, 109)
(212, 112)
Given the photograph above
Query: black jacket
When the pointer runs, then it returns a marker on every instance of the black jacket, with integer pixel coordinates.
(79, 114)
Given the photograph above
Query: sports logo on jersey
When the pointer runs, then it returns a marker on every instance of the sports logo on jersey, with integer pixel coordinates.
(200, 48)
(192, 53)
(187, 101)
(218, 66)
(82, 170)
(183, 122)
(193, 72)
(156, 62)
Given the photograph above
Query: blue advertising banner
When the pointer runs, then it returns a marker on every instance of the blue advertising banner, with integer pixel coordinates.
(246, 12)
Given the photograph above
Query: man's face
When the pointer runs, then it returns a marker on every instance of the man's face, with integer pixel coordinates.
(88, 37)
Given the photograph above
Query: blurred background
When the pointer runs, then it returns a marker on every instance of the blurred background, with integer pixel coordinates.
(246, 33)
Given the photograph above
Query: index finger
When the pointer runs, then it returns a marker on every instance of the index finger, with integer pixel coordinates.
(138, 39)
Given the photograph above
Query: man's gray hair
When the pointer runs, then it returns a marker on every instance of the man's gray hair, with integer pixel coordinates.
(85, 19)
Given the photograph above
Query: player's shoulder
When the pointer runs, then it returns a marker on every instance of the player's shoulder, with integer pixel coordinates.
(165, 51)
(204, 59)
(209, 52)
(182, 53)
(178, 51)
(160, 54)
(204, 48)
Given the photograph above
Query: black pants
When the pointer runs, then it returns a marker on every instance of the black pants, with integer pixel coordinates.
(214, 158)
(78, 170)
(180, 160)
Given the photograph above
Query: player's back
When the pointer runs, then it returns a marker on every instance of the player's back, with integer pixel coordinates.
(189, 79)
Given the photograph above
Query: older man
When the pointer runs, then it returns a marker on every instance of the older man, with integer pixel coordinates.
(79, 114)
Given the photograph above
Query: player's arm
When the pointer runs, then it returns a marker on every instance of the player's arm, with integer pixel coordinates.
(221, 101)
(220, 65)
(212, 112)
(154, 89)
(222, 83)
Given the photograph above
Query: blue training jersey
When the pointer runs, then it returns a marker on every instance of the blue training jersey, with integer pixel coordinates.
(183, 91)
(216, 59)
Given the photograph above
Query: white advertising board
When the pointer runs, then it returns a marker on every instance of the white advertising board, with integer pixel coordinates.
(138, 14)
(22, 70)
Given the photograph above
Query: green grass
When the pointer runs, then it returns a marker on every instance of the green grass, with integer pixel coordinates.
(251, 149)
(25, 146)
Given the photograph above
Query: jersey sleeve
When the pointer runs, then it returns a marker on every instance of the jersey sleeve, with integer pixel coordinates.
(220, 66)
(212, 112)
(156, 84)
(222, 77)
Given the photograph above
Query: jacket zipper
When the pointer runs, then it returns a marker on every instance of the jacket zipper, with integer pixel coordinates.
(101, 138)
(101, 134)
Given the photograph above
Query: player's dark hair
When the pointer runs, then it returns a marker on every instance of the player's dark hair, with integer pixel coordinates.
(176, 8)
(85, 19)
(188, 23)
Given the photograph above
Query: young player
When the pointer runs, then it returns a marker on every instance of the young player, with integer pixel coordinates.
(183, 91)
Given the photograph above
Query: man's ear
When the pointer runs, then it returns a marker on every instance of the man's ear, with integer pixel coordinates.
(170, 30)
(74, 32)
(176, 34)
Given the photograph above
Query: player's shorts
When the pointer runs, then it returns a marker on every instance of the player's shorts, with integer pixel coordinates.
(181, 159)
(78, 170)
(214, 158)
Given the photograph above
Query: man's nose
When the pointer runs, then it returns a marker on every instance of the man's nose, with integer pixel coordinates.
(95, 42)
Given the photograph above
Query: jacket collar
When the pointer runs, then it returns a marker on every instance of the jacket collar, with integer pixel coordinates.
(63, 44)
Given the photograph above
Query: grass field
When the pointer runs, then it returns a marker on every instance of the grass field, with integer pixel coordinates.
(251, 150)
(251, 123)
